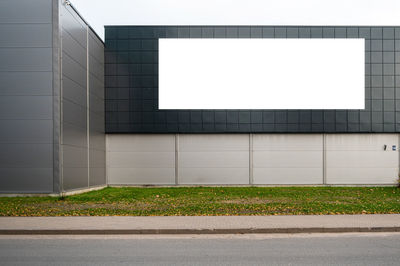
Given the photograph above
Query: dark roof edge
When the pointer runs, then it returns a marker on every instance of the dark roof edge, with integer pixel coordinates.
(257, 25)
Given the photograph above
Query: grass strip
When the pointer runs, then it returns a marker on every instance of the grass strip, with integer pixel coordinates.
(170, 201)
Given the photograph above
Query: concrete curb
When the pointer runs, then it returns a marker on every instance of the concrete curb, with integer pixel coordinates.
(200, 231)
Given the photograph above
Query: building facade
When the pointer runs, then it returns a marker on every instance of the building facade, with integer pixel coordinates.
(51, 99)
(77, 113)
(257, 147)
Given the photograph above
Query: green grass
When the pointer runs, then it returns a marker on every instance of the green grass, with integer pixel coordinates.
(210, 201)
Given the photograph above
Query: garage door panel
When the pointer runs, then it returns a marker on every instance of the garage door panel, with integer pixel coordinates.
(301, 159)
(361, 176)
(359, 142)
(216, 176)
(141, 176)
(213, 159)
(287, 176)
(361, 159)
(213, 142)
(141, 159)
(145, 143)
(283, 142)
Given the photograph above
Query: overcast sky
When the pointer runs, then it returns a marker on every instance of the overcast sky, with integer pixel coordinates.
(238, 12)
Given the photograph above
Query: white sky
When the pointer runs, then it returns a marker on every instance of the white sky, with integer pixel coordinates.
(238, 12)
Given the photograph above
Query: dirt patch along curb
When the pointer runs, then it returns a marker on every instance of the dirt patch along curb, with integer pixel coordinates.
(200, 231)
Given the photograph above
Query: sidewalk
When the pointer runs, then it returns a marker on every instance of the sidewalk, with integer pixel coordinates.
(200, 224)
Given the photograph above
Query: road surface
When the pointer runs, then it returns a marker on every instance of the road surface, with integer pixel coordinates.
(301, 249)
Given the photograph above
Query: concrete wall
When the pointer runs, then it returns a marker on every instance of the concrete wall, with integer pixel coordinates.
(259, 159)
(26, 106)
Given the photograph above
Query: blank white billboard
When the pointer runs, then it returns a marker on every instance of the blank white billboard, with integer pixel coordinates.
(261, 74)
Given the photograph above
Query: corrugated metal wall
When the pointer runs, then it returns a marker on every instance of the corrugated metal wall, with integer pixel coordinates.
(252, 159)
(26, 106)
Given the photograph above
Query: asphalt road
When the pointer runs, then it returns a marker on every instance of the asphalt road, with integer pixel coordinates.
(318, 249)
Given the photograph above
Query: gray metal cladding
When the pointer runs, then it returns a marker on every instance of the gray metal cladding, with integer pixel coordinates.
(74, 100)
(51, 100)
(22, 35)
(97, 161)
(26, 131)
(26, 180)
(26, 59)
(26, 96)
(26, 107)
(26, 83)
(26, 11)
(82, 103)
(131, 70)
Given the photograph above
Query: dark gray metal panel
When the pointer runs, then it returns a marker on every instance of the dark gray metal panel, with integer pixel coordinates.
(132, 84)
(75, 178)
(96, 104)
(74, 92)
(74, 100)
(97, 162)
(26, 131)
(97, 168)
(26, 11)
(74, 114)
(25, 35)
(26, 107)
(26, 83)
(73, 24)
(97, 69)
(96, 47)
(75, 170)
(75, 50)
(26, 59)
(74, 135)
(26, 180)
(26, 96)
(97, 138)
(75, 156)
(73, 70)
(26, 155)
(97, 85)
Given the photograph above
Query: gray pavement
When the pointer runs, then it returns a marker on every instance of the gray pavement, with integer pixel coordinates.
(200, 224)
(339, 249)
